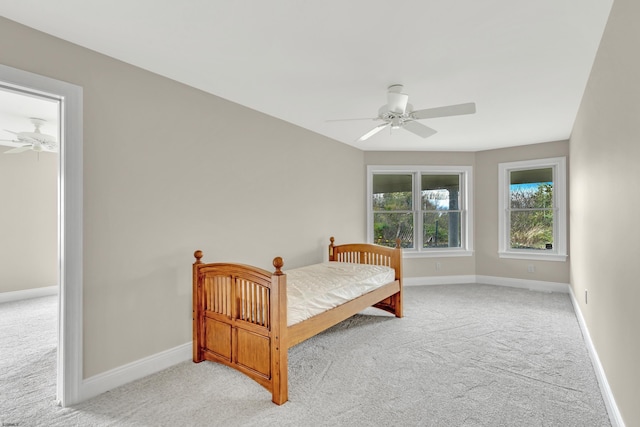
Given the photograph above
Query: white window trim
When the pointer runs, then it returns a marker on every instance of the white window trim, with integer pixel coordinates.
(559, 253)
(466, 201)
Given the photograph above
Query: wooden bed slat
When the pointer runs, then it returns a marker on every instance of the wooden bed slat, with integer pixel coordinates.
(252, 300)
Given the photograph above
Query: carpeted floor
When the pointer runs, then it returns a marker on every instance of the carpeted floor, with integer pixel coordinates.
(464, 355)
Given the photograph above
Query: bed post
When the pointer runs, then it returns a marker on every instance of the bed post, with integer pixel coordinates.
(197, 309)
(279, 344)
(331, 251)
(397, 298)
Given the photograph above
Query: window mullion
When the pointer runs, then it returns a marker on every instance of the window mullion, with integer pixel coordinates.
(417, 211)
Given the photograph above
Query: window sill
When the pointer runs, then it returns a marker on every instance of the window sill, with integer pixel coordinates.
(534, 256)
(436, 253)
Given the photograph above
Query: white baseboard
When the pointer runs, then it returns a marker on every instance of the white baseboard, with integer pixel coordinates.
(28, 294)
(122, 375)
(534, 285)
(438, 280)
(607, 395)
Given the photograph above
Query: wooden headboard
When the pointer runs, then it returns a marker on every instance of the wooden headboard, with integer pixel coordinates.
(362, 253)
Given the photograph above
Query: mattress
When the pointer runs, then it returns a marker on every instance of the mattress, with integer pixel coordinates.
(316, 288)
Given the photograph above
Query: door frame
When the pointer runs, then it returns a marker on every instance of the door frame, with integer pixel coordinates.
(70, 223)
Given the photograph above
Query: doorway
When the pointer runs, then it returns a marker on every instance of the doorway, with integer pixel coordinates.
(29, 136)
(69, 100)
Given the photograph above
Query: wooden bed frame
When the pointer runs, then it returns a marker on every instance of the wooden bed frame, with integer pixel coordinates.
(240, 312)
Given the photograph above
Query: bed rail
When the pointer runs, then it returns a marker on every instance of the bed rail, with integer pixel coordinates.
(362, 253)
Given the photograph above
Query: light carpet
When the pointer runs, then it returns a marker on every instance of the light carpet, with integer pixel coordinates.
(463, 355)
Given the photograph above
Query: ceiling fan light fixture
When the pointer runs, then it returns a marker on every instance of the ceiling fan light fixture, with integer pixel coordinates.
(396, 123)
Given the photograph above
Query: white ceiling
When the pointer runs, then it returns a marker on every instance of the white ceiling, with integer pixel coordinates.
(524, 63)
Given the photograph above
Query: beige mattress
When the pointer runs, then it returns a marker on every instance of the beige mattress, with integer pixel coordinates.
(316, 288)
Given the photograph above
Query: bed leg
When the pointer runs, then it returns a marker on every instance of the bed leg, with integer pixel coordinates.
(280, 392)
(197, 350)
(198, 355)
(279, 344)
(197, 298)
(396, 300)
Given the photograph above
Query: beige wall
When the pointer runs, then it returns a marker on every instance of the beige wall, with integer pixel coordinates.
(605, 201)
(486, 211)
(28, 220)
(169, 169)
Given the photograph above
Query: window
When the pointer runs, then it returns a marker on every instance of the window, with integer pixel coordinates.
(532, 209)
(427, 208)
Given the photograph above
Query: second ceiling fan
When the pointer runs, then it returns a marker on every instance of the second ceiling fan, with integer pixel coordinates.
(398, 113)
(36, 140)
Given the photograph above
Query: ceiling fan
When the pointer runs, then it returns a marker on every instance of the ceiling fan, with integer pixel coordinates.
(36, 140)
(398, 113)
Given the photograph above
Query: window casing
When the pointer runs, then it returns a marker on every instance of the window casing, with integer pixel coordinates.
(532, 211)
(428, 207)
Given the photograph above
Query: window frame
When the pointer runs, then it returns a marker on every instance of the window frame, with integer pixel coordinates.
(465, 201)
(559, 170)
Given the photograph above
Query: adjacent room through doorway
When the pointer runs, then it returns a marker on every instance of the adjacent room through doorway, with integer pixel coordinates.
(41, 127)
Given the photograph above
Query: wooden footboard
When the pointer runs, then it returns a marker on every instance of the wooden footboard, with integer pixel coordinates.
(240, 313)
(240, 320)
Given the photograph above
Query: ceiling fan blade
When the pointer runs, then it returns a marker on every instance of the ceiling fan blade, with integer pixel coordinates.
(419, 129)
(450, 110)
(348, 120)
(373, 132)
(25, 137)
(397, 102)
(12, 144)
(32, 137)
(18, 150)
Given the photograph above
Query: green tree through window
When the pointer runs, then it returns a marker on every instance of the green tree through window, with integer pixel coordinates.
(392, 210)
(423, 207)
(532, 212)
(531, 216)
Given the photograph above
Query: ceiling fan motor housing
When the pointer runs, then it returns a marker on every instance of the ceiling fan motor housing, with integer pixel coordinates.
(395, 118)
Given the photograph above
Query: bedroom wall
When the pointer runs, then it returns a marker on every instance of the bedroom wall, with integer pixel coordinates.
(487, 261)
(605, 202)
(28, 220)
(169, 169)
(426, 267)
